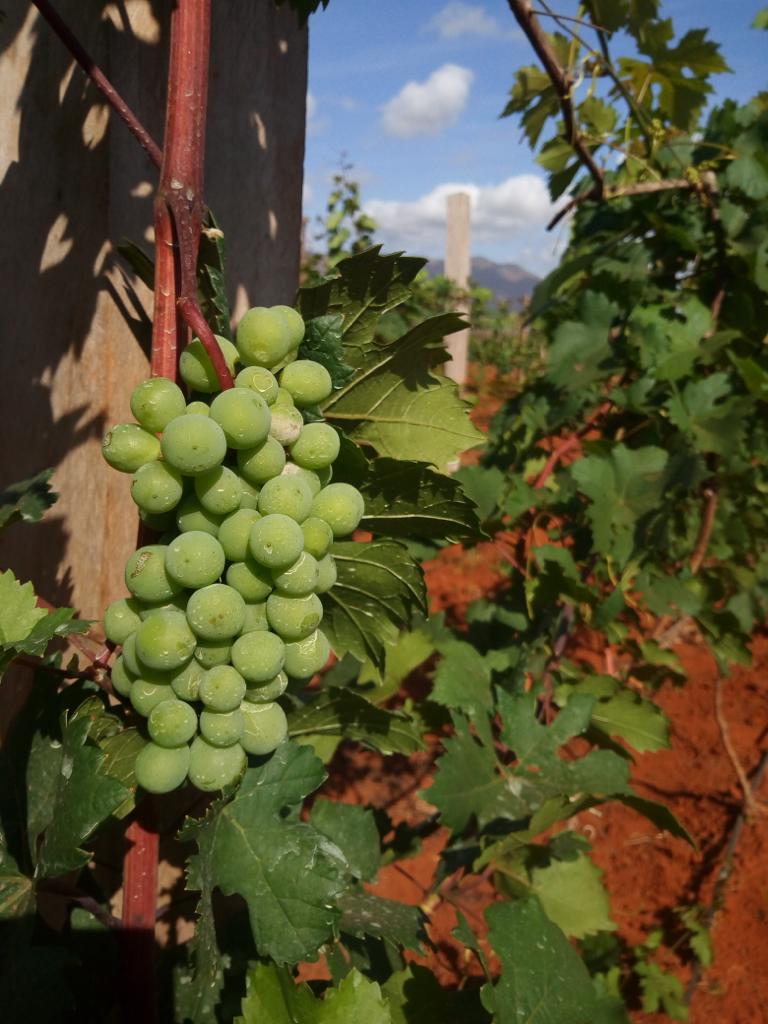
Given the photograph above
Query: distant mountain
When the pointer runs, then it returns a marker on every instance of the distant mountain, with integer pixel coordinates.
(505, 280)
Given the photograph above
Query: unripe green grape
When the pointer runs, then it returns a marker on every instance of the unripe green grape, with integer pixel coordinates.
(198, 408)
(326, 574)
(284, 397)
(171, 723)
(276, 541)
(308, 381)
(294, 618)
(257, 465)
(162, 522)
(219, 491)
(178, 601)
(287, 496)
(193, 444)
(290, 357)
(190, 515)
(155, 402)
(243, 415)
(250, 579)
(249, 495)
(222, 688)
(210, 653)
(197, 370)
(305, 657)
(157, 487)
(145, 574)
(258, 379)
(221, 728)
(310, 478)
(161, 769)
(145, 696)
(255, 618)
(263, 337)
(216, 612)
(294, 323)
(235, 532)
(341, 506)
(267, 692)
(298, 579)
(121, 619)
(258, 656)
(264, 728)
(122, 678)
(164, 641)
(212, 768)
(195, 559)
(129, 656)
(128, 446)
(286, 424)
(186, 682)
(316, 447)
(318, 536)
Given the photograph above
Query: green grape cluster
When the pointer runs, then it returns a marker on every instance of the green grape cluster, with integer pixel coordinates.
(224, 609)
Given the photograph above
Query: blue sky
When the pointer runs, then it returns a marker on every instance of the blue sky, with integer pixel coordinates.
(411, 93)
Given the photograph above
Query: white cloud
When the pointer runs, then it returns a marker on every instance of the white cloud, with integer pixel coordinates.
(506, 212)
(311, 106)
(458, 19)
(426, 108)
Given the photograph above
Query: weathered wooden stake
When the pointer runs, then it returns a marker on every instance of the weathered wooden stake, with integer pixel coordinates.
(457, 267)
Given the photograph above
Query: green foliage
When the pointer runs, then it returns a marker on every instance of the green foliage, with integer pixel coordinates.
(28, 500)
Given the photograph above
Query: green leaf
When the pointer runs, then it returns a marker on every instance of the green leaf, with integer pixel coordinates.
(212, 292)
(379, 587)
(761, 19)
(484, 486)
(353, 830)
(364, 913)
(643, 725)
(18, 609)
(662, 992)
(57, 623)
(462, 680)
(288, 873)
(142, 265)
(410, 499)
(581, 348)
(342, 713)
(572, 895)
(28, 500)
(323, 342)
(273, 998)
(543, 980)
(711, 414)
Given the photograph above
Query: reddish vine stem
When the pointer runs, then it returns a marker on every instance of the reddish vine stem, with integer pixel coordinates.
(100, 80)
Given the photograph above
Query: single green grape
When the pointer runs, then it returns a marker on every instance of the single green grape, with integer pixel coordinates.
(122, 677)
(303, 658)
(162, 522)
(286, 424)
(193, 444)
(249, 495)
(263, 337)
(257, 465)
(197, 370)
(341, 506)
(221, 728)
(222, 688)
(285, 398)
(316, 447)
(267, 692)
(235, 532)
(198, 408)
(178, 601)
(291, 356)
(294, 323)
(308, 381)
(121, 619)
(171, 723)
(160, 769)
(326, 574)
(264, 728)
(244, 417)
(294, 618)
(298, 579)
(210, 653)
(145, 696)
(155, 402)
(310, 478)
(164, 641)
(260, 380)
(190, 515)
(194, 559)
(287, 496)
(145, 574)
(128, 446)
(212, 768)
(216, 612)
(258, 656)
(250, 579)
(219, 491)
(318, 536)
(276, 541)
(255, 618)
(157, 487)
(186, 682)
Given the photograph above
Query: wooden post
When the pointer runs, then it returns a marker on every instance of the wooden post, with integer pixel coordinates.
(457, 269)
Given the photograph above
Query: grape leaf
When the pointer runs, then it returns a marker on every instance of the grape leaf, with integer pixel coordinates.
(28, 500)
(289, 874)
(581, 348)
(273, 997)
(323, 342)
(140, 263)
(342, 713)
(212, 291)
(18, 609)
(57, 623)
(711, 414)
(462, 680)
(353, 830)
(417, 997)
(379, 587)
(365, 913)
(572, 895)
